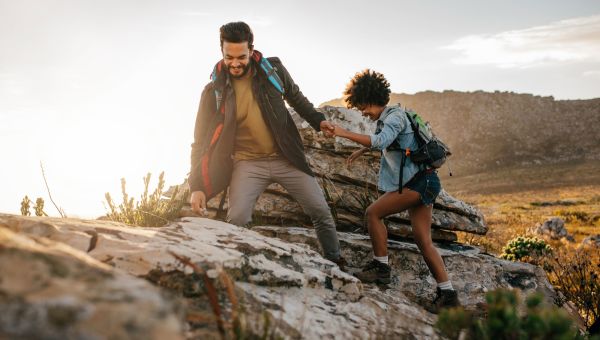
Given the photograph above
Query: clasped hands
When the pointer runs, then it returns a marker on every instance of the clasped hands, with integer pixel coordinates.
(331, 130)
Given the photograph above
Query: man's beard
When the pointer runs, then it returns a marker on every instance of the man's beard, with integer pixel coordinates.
(245, 70)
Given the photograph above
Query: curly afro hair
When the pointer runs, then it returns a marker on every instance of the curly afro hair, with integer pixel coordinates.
(367, 88)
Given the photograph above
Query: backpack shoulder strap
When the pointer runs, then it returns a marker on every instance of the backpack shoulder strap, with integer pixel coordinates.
(271, 73)
(217, 80)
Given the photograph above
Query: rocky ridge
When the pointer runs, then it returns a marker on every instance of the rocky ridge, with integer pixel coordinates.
(277, 272)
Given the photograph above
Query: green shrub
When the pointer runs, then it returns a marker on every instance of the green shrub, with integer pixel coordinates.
(152, 210)
(503, 320)
(526, 249)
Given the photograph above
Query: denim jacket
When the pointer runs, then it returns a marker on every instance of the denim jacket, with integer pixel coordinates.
(393, 124)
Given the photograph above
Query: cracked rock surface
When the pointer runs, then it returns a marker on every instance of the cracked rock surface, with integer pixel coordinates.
(277, 272)
(49, 290)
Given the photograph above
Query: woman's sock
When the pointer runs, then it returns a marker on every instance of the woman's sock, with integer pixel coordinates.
(382, 259)
(445, 285)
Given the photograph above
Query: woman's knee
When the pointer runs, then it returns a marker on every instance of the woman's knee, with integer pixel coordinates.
(425, 244)
(371, 212)
(422, 239)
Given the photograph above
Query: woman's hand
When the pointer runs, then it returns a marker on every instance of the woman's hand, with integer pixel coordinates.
(355, 155)
(339, 131)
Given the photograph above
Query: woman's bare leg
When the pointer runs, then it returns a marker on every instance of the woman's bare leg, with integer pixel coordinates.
(420, 217)
(389, 203)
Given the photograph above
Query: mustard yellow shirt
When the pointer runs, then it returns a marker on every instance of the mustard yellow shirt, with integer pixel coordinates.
(253, 139)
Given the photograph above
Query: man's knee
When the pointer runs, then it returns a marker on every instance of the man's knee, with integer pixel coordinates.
(239, 217)
(321, 216)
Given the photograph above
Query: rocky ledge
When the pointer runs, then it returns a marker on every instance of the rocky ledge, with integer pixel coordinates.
(82, 278)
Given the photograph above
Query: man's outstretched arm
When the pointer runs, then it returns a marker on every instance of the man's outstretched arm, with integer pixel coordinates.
(300, 103)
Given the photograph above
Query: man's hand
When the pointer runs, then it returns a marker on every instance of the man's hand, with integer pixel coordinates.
(327, 128)
(198, 202)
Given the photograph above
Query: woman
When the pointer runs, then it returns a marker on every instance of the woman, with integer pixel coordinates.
(369, 92)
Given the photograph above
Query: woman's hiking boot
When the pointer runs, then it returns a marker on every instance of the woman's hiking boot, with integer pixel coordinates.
(375, 272)
(445, 298)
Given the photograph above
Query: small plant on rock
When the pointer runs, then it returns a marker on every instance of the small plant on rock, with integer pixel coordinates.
(39, 207)
(152, 210)
(25, 205)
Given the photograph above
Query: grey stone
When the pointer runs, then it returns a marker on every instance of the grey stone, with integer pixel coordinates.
(555, 229)
(592, 240)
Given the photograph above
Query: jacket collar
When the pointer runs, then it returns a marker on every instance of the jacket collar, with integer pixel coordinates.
(386, 112)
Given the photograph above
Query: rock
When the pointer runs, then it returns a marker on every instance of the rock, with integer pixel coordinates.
(405, 231)
(49, 290)
(278, 273)
(592, 240)
(555, 229)
(411, 277)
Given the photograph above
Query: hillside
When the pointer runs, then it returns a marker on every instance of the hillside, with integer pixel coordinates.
(488, 131)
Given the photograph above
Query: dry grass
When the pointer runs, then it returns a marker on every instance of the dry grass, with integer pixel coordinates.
(514, 201)
(517, 214)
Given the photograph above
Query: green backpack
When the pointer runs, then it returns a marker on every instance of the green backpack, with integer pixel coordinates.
(432, 151)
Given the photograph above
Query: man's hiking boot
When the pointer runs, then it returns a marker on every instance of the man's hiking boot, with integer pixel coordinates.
(445, 298)
(341, 262)
(375, 272)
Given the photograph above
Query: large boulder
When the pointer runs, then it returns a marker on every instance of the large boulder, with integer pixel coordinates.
(279, 273)
(49, 290)
(471, 271)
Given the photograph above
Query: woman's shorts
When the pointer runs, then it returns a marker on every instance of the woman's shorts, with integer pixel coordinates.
(427, 184)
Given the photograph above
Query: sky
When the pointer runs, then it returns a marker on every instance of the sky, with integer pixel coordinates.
(97, 91)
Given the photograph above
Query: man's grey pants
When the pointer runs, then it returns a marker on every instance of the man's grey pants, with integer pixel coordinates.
(251, 177)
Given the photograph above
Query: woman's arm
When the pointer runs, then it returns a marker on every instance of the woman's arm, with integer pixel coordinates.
(356, 154)
(392, 125)
(355, 137)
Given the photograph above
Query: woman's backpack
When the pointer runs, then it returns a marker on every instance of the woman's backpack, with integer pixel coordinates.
(432, 151)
